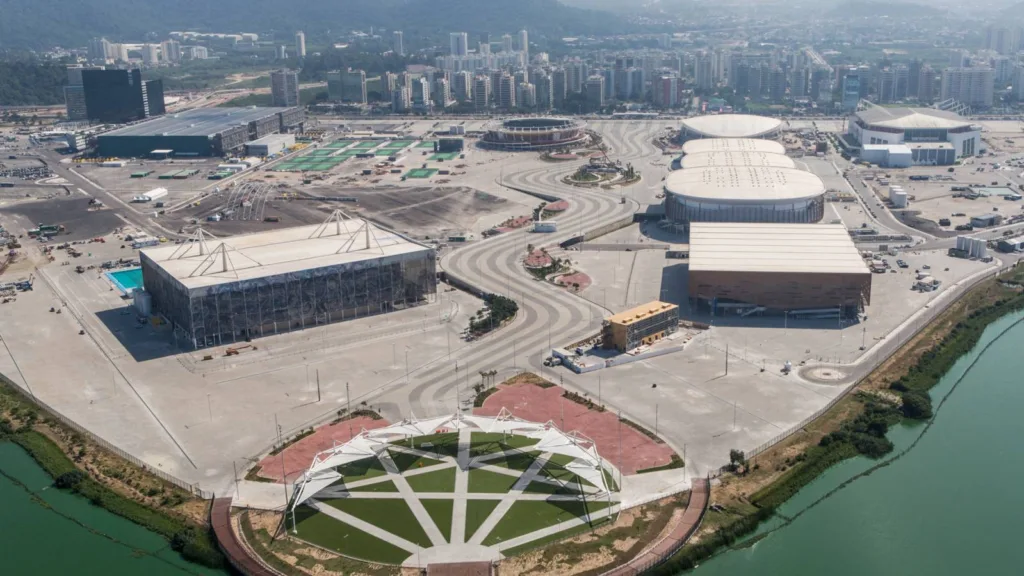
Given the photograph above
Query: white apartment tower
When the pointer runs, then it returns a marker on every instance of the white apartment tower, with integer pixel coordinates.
(300, 44)
(397, 43)
(524, 44)
(972, 86)
(459, 42)
(481, 92)
(506, 92)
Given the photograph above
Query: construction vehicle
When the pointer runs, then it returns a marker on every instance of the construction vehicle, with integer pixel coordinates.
(235, 350)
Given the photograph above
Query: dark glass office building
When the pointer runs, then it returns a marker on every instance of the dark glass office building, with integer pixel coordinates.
(121, 96)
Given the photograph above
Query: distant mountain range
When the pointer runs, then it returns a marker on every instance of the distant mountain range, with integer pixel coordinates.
(41, 24)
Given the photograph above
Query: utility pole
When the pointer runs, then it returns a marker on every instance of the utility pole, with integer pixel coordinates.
(599, 391)
(317, 384)
(209, 407)
(348, 410)
(655, 419)
(235, 468)
(726, 358)
(734, 415)
(619, 426)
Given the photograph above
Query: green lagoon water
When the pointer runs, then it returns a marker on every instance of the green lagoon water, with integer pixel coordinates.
(953, 505)
(38, 541)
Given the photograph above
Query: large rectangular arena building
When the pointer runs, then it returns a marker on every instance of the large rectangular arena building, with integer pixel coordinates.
(199, 132)
(218, 291)
(738, 267)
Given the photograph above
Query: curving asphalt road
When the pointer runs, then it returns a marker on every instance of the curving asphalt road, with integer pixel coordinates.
(493, 266)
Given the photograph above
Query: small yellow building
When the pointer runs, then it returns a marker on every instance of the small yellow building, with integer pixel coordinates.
(644, 324)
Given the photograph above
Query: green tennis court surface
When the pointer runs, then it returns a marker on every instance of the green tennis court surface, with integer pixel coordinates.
(444, 156)
(421, 173)
(365, 145)
(425, 144)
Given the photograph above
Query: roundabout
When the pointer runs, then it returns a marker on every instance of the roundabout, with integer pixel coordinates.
(459, 488)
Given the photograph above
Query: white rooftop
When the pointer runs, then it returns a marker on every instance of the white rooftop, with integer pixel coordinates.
(744, 184)
(208, 261)
(736, 158)
(909, 118)
(731, 125)
(806, 248)
(732, 144)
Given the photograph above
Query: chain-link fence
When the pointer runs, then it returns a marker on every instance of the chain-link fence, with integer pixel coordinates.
(52, 413)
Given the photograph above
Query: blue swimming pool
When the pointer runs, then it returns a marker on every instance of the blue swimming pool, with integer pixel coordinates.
(127, 280)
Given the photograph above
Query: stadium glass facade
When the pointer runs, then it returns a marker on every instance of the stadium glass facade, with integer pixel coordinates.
(237, 311)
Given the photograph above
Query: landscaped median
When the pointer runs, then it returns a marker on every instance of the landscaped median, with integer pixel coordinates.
(856, 425)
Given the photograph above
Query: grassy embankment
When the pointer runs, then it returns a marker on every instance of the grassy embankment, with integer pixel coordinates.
(106, 480)
(856, 425)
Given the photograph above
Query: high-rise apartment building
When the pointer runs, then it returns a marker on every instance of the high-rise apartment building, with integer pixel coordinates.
(973, 86)
(284, 87)
(545, 92)
(594, 89)
(481, 92)
(506, 95)
(400, 99)
(850, 91)
(798, 82)
(459, 43)
(463, 83)
(777, 84)
(300, 44)
(347, 86)
(121, 96)
(926, 85)
(1018, 83)
(524, 44)
(120, 52)
(559, 87)
(150, 54)
(421, 94)
(170, 51)
(526, 95)
(398, 43)
(703, 75)
(666, 91)
(506, 43)
(576, 75)
(99, 49)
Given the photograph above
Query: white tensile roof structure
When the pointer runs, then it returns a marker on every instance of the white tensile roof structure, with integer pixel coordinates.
(588, 464)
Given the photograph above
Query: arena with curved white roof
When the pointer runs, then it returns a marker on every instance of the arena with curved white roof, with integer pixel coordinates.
(744, 194)
(733, 145)
(723, 159)
(729, 126)
(934, 137)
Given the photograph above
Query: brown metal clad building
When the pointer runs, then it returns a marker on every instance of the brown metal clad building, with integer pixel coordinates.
(778, 266)
(644, 324)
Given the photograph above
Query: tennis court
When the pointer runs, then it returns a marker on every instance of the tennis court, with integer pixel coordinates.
(425, 144)
(365, 145)
(321, 152)
(339, 144)
(444, 156)
(421, 173)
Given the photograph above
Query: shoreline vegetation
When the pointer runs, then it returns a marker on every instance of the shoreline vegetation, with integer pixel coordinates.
(751, 492)
(81, 466)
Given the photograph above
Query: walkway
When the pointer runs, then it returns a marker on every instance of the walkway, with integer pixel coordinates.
(700, 495)
(236, 553)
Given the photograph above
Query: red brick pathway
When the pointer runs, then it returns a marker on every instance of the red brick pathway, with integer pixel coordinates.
(299, 456)
(537, 404)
